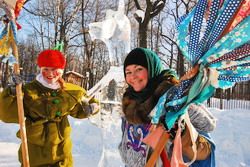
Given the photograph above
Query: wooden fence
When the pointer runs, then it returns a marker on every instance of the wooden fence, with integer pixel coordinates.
(241, 91)
(237, 97)
(228, 104)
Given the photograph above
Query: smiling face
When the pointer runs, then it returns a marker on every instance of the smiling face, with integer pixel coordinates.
(51, 75)
(136, 76)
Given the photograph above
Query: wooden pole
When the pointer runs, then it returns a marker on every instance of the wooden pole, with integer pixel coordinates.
(158, 149)
(19, 95)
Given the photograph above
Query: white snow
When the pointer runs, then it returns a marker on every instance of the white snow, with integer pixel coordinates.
(140, 14)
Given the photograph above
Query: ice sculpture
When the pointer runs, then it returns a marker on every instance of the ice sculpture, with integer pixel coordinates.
(114, 31)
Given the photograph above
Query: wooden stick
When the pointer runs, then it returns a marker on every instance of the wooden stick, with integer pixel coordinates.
(158, 149)
(19, 95)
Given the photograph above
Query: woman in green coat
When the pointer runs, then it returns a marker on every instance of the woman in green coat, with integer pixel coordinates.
(48, 101)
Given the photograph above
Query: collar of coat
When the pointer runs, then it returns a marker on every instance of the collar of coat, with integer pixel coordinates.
(137, 108)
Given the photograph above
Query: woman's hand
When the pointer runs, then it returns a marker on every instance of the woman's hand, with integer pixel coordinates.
(191, 73)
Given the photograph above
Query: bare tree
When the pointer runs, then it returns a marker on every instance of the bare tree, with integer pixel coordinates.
(27, 56)
(54, 20)
(153, 8)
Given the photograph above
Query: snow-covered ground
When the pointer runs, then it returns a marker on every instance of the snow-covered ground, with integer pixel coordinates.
(232, 137)
(97, 147)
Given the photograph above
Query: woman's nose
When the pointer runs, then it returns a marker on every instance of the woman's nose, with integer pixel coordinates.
(134, 74)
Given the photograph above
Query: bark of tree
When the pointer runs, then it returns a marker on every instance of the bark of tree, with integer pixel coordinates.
(152, 10)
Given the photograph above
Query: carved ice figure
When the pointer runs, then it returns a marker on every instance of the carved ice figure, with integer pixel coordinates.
(114, 31)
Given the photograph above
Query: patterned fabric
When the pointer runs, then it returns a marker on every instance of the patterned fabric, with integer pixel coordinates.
(133, 152)
(9, 33)
(7, 36)
(220, 47)
(241, 14)
(19, 6)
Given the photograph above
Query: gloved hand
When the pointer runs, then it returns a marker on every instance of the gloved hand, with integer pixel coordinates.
(173, 130)
(15, 79)
(85, 100)
(94, 108)
(91, 109)
(89, 106)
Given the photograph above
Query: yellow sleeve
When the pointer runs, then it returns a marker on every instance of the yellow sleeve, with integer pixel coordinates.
(83, 104)
(8, 107)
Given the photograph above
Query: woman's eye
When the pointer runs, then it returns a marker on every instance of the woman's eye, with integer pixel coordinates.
(128, 73)
(139, 69)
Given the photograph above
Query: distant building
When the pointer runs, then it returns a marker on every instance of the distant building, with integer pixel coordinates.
(110, 89)
(74, 77)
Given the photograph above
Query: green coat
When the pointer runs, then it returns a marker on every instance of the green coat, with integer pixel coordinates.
(47, 125)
